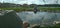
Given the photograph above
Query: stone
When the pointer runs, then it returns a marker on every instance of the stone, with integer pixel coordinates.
(9, 19)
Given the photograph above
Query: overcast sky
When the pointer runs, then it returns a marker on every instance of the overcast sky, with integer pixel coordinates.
(31, 1)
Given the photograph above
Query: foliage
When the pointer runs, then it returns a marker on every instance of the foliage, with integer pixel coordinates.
(30, 9)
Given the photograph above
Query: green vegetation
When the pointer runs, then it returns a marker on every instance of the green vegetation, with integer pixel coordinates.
(30, 9)
(17, 8)
(25, 7)
(49, 8)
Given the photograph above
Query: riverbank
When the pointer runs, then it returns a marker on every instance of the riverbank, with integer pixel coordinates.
(18, 9)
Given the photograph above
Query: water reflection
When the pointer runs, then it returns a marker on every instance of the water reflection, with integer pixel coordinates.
(39, 17)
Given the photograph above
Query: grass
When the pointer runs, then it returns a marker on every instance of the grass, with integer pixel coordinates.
(30, 9)
(49, 8)
(17, 8)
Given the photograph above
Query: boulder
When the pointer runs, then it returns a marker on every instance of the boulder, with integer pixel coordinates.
(9, 19)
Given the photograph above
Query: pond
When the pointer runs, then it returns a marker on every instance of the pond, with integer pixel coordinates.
(40, 18)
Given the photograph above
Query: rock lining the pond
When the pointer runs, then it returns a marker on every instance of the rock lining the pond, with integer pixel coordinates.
(9, 19)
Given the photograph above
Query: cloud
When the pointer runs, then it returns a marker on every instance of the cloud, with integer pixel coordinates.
(1, 0)
(31, 1)
(52, 1)
(23, 1)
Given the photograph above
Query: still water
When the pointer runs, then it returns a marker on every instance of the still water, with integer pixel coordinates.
(39, 17)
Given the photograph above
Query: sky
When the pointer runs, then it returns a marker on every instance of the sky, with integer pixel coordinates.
(31, 1)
